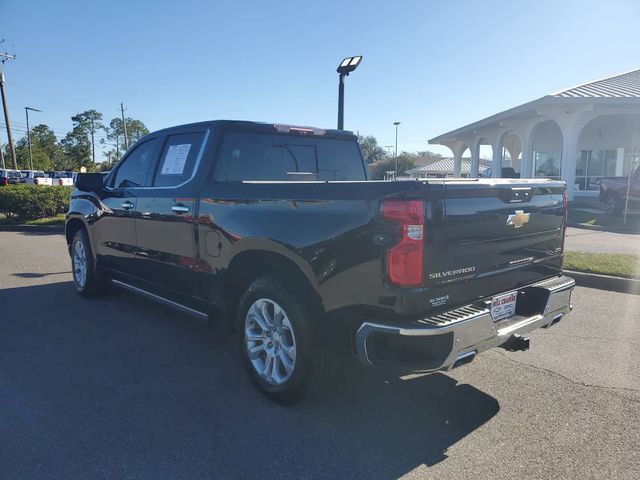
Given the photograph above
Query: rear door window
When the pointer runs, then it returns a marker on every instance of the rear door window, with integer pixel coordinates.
(277, 157)
(178, 159)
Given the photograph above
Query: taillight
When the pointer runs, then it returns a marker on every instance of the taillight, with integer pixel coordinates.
(60, 181)
(36, 181)
(5, 181)
(565, 217)
(405, 259)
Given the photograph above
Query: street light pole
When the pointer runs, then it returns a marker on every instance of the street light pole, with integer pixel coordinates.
(341, 102)
(396, 124)
(347, 66)
(26, 111)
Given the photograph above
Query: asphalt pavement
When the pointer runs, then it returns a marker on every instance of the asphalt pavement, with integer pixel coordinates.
(119, 387)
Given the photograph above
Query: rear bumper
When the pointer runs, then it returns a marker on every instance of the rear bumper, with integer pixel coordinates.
(452, 338)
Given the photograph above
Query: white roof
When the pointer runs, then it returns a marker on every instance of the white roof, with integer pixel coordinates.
(446, 166)
(624, 87)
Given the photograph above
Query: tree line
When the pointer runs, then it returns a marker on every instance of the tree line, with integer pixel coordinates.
(379, 161)
(79, 147)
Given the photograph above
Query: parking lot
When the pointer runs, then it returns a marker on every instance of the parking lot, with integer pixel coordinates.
(121, 387)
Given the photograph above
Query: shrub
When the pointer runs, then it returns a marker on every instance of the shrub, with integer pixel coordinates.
(30, 202)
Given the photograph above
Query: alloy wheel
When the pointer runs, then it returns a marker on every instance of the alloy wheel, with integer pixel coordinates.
(270, 342)
(80, 265)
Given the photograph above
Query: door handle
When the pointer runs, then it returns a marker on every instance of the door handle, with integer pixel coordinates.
(127, 205)
(180, 209)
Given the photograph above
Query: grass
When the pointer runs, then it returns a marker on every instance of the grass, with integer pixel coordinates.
(615, 264)
(57, 220)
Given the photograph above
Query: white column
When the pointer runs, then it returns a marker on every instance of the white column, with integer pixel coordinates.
(569, 157)
(513, 153)
(620, 162)
(475, 159)
(496, 163)
(458, 150)
(526, 164)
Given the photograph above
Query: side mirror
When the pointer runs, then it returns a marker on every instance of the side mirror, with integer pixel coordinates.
(90, 182)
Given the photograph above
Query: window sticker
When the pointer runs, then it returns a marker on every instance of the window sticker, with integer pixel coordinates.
(175, 159)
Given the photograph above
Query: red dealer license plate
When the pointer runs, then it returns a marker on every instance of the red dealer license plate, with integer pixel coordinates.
(503, 306)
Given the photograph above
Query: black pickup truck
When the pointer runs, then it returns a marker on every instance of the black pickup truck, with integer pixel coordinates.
(277, 230)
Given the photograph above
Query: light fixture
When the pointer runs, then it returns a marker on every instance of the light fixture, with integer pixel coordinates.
(349, 64)
(346, 66)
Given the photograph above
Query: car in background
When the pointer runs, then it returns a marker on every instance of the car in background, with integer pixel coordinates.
(9, 177)
(61, 178)
(613, 193)
(35, 177)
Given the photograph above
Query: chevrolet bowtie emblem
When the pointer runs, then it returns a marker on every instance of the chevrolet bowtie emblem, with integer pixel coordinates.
(518, 219)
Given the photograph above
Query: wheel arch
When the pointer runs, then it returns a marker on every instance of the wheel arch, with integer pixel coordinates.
(250, 264)
(71, 228)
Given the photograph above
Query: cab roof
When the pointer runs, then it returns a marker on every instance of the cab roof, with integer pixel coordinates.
(244, 125)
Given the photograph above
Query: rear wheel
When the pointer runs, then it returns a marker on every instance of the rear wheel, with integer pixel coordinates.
(276, 335)
(86, 278)
(613, 205)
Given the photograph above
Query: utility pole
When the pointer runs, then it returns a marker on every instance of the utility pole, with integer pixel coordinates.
(124, 128)
(2, 156)
(396, 124)
(93, 143)
(26, 111)
(4, 56)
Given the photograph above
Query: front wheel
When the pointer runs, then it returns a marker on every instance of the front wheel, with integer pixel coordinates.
(276, 334)
(613, 205)
(86, 278)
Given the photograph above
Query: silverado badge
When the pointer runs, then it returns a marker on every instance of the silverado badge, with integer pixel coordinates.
(518, 219)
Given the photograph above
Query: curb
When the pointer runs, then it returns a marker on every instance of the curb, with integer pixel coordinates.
(605, 282)
(52, 229)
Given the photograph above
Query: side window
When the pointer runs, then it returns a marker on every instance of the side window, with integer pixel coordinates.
(178, 159)
(134, 171)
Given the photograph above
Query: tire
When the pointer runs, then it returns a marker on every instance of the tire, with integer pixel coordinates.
(87, 279)
(275, 330)
(612, 205)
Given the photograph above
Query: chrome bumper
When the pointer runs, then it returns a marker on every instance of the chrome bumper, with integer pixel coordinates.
(458, 335)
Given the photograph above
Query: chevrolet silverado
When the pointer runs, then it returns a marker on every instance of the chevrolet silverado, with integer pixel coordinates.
(277, 230)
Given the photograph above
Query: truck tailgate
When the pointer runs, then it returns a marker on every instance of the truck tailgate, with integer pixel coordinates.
(497, 236)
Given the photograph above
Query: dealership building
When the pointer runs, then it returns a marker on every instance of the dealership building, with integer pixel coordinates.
(579, 135)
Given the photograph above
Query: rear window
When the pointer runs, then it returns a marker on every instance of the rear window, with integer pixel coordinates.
(273, 157)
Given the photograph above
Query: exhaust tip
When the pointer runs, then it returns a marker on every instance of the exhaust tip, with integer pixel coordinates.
(464, 359)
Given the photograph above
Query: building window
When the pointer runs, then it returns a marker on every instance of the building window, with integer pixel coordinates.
(593, 165)
(547, 165)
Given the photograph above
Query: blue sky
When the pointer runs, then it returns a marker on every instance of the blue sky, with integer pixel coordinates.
(433, 66)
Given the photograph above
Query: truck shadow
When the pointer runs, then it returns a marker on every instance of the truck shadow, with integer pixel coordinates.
(121, 387)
